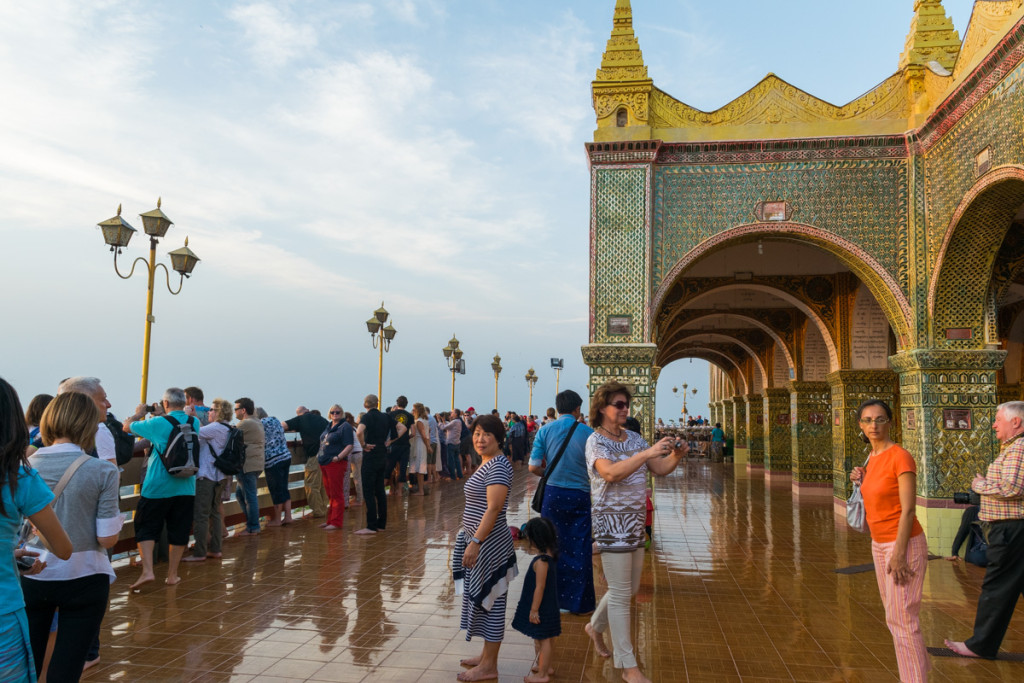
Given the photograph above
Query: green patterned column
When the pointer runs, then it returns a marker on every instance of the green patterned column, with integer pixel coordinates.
(728, 418)
(628, 364)
(739, 422)
(755, 430)
(850, 388)
(948, 401)
(810, 406)
(778, 452)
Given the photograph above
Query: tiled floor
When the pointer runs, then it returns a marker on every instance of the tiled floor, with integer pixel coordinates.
(739, 585)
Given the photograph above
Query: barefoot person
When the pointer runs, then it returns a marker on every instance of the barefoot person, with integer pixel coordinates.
(1002, 508)
(484, 559)
(164, 498)
(537, 615)
(619, 461)
(898, 544)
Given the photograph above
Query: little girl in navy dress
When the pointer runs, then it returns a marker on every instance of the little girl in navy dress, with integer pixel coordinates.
(537, 615)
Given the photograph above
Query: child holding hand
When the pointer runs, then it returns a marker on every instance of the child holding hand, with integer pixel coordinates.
(537, 615)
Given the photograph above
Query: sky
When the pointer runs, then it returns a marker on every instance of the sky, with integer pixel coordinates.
(324, 156)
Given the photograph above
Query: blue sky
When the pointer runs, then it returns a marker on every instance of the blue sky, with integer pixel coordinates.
(323, 156)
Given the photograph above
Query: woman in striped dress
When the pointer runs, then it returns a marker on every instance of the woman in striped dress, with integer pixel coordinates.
(484, 560)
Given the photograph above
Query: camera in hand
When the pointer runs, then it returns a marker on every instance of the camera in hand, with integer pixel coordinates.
(971, 498)
(150, 409)
(26, 562)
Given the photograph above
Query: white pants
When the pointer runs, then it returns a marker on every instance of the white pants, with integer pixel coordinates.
(622, 572)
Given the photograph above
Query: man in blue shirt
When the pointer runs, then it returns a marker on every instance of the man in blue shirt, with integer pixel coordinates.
(165, 498)
(567, 501)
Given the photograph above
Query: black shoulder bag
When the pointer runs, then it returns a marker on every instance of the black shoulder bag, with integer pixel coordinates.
(538, 497)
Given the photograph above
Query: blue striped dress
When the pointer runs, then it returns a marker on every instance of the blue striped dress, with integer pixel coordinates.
(484, 587)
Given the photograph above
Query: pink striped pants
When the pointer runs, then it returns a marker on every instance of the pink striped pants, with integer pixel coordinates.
(902, 606)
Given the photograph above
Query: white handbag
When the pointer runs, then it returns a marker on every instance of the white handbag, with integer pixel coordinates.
(856, 517)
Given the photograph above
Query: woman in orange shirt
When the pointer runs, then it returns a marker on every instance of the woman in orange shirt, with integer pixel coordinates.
(889, 487)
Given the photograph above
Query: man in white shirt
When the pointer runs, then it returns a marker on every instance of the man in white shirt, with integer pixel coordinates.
(91, 387)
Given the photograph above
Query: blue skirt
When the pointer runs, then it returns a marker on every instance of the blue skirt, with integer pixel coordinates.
(16, 663)
(569, 511)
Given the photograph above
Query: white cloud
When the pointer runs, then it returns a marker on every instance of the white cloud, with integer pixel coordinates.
(273, 37)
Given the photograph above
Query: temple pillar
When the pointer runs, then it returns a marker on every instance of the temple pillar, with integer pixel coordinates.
(850, 388)
(739, 430)
(948, 402)
(728, 418)
(810, 407)
(755, 431)
(631, 365)
(778, 452)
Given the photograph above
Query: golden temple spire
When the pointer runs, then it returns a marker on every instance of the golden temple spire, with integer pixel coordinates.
(623, 60)
(932, 37)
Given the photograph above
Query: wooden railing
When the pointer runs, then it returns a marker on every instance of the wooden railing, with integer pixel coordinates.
(232, 513)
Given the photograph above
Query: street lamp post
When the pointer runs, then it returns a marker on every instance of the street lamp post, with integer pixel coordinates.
(496, 366)
(531, 379)
(453, 354)
(116, 234)
(685, 387)
(381, 337)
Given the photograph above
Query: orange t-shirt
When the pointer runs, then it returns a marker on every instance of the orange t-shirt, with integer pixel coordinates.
(881, 492)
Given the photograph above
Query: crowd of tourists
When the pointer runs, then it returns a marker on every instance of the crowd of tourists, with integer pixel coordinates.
(59, 471)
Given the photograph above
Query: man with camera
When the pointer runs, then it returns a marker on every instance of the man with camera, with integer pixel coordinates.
(1002, 513)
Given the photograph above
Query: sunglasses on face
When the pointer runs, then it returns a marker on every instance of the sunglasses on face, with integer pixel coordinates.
(334, 412)
(621, 405)
(877, 420)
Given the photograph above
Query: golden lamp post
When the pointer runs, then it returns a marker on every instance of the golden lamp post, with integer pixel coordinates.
(382, 337)
(496, 367)
(117, 233)
(453, 354)
(531, 379)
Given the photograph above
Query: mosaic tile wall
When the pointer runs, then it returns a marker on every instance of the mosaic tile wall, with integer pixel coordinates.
(620, 258)
(755, 428)
(811, 431)
(865, 202)
(931, 383)
(778, 451)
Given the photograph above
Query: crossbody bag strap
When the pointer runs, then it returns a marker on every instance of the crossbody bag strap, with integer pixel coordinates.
(558, 456)
(70, 472)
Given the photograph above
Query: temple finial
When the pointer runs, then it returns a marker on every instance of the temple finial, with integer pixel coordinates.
(623, 60)
(932, 37)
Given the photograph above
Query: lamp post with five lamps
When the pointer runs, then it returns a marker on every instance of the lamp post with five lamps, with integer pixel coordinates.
(453, 354)
(496, 367)
(117, 233)
(381, 337)
(531, 379)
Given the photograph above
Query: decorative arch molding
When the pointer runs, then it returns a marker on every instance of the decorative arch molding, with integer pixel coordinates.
(960, 296)
(796, 302)
(680, 341)
(704, 352)
(880, 282)
(756, 323)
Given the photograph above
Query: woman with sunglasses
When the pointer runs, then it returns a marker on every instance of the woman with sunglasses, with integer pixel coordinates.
(618, 461)
(335, 447)
(889, 487)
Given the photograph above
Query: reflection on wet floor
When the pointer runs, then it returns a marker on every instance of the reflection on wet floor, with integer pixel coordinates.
(739, 585)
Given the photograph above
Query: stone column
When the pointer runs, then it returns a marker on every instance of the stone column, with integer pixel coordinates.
(631, 365)
(850, 388)
(778, 452)
(755, 431)
(948, 401)
(728, 418)
(810, 405)
(739, 429)
(716, 412)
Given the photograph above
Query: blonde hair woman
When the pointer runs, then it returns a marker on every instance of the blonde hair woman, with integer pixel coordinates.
(419, 445)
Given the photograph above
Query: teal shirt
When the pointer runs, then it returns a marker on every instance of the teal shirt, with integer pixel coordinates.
(32, 496)
(158, 483)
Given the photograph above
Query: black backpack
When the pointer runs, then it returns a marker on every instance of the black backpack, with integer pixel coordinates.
(231, 460)
(181, 456)
(124, 444)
